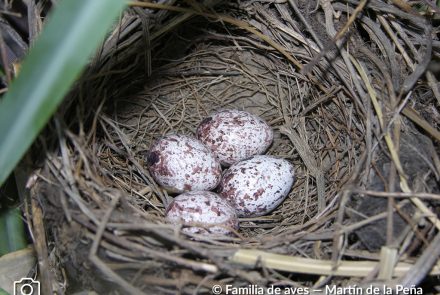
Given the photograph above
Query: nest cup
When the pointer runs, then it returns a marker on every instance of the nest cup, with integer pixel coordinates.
(163, 72)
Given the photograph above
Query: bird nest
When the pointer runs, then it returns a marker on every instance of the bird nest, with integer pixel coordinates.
(345, 87)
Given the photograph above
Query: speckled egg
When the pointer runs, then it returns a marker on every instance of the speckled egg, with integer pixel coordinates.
(257, 185)
(180, 163)
(202, 212)
(234, 135)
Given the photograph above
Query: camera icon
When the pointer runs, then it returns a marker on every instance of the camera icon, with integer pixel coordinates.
(26, 286)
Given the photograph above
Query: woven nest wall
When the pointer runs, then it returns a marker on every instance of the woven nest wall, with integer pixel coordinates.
(346, 89)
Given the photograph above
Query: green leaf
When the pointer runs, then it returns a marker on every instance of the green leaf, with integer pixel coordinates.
(70, 36)
(12, 235)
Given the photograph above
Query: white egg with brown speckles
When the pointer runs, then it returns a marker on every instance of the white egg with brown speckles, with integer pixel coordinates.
(234, 135)
(202, 212)
(256, 186)
(180, 163)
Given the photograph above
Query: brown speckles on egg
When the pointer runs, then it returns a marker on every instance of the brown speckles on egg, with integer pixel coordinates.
(202, 212)
(197, 169)
(153, 158)
(235, 135)
(216, 210)
(180, 163)
(227, 177)
(246, 197)
(258, 193)
(257, 185)
(205, 125)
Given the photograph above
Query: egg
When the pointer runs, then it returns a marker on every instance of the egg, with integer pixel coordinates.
(234, 135)
(256, 186)
(181, 163)
(202, 212)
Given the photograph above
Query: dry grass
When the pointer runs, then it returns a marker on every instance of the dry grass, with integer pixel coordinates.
(341, 88)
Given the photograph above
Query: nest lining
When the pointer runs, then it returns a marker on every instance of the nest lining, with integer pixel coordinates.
(97, 179)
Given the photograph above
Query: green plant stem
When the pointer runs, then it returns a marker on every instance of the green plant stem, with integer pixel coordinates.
(12, 234)
(71, 35)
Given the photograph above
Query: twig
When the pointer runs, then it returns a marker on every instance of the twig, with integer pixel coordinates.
(40, 243)
(224, 18)
(5, 59)
(318, 267)
(424, 264)
(398, 194)
(309, 160)
(331, 31)
(433, 83)
(416, 118)
(97, 261)
(307, 68)
(395, 157)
